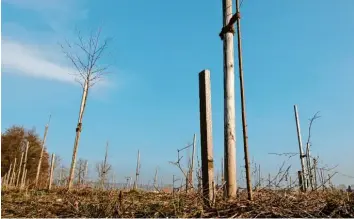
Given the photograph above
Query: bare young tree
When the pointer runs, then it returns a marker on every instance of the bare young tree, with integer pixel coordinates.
(89, 72)
(80, 171)
(103, 168)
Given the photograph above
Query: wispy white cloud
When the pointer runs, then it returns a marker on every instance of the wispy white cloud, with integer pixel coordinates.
(35, 52)
(25, 59)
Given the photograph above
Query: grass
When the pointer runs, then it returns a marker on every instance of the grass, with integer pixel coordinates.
(93, 203)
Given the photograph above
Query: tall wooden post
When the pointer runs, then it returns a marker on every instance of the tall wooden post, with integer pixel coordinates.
(8, 175)
(51, 172)
(303, 168)
(243, 103)
(24, 171)
(12, 179)
(315, 172)
(78, 133)
(42, 151)
(229, 105)
(301, 182)
(137, 172)
(206, 137)
(19, 170)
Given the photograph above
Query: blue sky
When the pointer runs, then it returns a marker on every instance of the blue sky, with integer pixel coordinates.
(295, 52)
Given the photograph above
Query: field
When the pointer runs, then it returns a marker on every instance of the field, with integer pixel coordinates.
(128, 204)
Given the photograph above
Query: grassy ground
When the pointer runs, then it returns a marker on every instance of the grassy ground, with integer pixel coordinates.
(98, 204)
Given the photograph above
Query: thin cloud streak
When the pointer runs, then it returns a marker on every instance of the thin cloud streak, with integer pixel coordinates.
(20, 58)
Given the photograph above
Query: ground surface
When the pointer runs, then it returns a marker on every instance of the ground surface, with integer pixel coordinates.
(98, 204)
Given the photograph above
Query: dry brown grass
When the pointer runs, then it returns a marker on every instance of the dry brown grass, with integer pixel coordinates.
(97, 204)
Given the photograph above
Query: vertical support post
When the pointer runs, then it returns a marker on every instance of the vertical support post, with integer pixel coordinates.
(206, 135)
(137, 172)
(268, 180)
(259, 175)
(13, 174)
(303, 168)
(315, 172)
(19, 170)
(192, 165)
(243, 104)
(173, 185)
(42, 151)
(8, 175)
(85, 172)
(51, 172)
(229, 105)
(222, 172)
(24, 171)
(301, 182)
(155, 180)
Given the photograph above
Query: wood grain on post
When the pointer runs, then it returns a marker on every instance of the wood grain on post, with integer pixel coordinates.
(229, 105)
(51, 172)
(206, 137)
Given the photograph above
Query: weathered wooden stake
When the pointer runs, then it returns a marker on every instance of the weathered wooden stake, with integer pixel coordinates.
(13, 174)
(155, 180)
(229, 105)
(51, 172)
(300, 147)
(42, 151)
(301, 182)
(19, 170)
(8, 175)
(206, 137)
(137, 172)
(24, 171)
(315, 172)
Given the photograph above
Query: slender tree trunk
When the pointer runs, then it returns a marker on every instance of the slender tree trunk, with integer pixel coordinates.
(137, 171)
(51, 172)
(243, 105)
(78, 133)
(42, 151)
